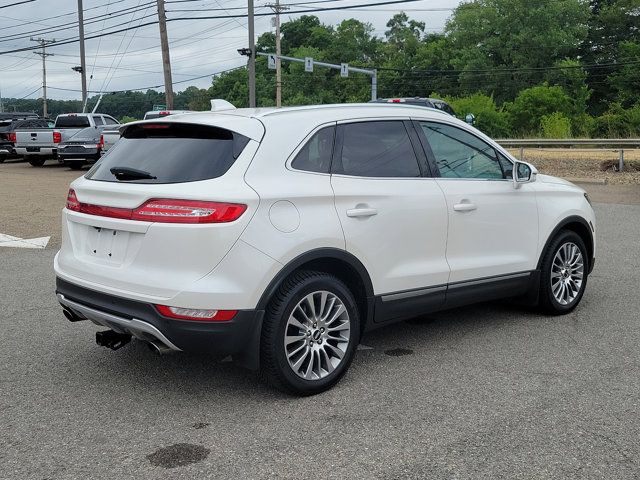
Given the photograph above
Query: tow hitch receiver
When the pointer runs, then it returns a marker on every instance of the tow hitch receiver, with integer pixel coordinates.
(112, 340)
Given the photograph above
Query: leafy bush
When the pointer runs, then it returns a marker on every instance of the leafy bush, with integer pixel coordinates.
(127, 119)
(555, 125)
(531, 104)
(489, 118)
(617, 122)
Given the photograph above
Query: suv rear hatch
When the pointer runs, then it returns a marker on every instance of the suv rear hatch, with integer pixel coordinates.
(162, 208)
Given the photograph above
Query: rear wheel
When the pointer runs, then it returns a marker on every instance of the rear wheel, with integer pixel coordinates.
(563, 274)
(74, 165)
(310, 333)
(35, 161)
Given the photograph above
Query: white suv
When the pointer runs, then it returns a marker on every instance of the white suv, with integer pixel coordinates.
(280, 236)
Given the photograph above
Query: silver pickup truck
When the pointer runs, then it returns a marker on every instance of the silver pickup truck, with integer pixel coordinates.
(38, 145)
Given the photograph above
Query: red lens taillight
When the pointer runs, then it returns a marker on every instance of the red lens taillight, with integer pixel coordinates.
(57, 137)
(101, 144)
(188, 211)
(164, 210)
(12, 137)
(196, 314)
(72, 201)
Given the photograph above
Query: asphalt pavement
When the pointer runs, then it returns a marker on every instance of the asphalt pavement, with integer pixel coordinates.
(490, 391)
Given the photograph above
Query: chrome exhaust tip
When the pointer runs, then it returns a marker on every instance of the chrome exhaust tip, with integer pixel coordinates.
(158, 348)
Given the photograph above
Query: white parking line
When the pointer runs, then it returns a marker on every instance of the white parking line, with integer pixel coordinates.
(17, 242)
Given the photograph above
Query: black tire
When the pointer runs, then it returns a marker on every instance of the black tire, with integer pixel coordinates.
(35, 161)
(275, 367)
(74, 165)
(547, 300)
(2, 158)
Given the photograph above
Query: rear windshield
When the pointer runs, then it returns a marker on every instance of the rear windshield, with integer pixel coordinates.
(72, 122)
(169, 153)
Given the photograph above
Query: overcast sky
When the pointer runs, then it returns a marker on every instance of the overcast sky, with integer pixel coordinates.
(132, 59)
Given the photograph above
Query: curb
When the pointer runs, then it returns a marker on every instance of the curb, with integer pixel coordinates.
(592, 181)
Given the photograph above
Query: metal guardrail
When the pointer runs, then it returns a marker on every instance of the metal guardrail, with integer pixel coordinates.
(616, 144)
(572, 142)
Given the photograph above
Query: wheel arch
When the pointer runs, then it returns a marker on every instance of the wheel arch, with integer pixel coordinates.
(339, 263)
(582, 228)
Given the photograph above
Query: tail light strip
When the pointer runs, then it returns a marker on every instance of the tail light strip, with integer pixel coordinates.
(164, 210)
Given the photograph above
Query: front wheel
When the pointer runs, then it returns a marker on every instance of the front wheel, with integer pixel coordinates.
(563, 274)
(310, 333)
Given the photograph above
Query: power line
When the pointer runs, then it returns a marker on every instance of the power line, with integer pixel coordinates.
(17, 3)
(69, 25)
(217, 17)
(155, 86)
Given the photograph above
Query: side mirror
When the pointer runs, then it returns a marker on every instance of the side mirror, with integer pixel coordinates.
(523, 173)
(470, 118)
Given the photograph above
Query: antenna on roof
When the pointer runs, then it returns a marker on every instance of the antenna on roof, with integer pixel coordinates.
(218, 104)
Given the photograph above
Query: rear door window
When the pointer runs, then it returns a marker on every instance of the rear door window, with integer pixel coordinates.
(97, 119)
(169, 153)
(377, 149)
(72, 121)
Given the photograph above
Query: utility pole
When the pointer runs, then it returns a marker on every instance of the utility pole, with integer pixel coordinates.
(277, 9)
(252, 56)
(166, 61)
(43, 43)
(83, 65)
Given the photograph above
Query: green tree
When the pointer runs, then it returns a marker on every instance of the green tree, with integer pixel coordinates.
(513, 40)
(571, 76)
(625, 81)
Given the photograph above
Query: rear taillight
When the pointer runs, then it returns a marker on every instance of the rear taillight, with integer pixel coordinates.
(57, 137)
(197, 314)
(72, 201)
(164, 210)
(101, 144)
(12, 137)
(188, 211)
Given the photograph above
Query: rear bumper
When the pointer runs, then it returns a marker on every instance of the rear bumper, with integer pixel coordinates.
(42, 151)
(239, 336)
(87, 154)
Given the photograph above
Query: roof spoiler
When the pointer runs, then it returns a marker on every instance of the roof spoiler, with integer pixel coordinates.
(218, 105)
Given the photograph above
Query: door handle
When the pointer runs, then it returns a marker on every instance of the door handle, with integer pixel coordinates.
(464, 207)
(362, 212)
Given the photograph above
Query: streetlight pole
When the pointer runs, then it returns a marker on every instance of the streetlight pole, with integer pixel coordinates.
(83, 65)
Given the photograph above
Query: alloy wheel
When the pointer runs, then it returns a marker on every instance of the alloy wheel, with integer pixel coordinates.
(567, 273)
(317, 335)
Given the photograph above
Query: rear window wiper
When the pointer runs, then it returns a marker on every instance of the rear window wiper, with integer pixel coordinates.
(126, 173)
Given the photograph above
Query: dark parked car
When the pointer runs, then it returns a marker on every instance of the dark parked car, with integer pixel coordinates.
(420, 101)
(8, 127)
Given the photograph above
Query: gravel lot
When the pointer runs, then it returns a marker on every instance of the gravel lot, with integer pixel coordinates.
(492, 391)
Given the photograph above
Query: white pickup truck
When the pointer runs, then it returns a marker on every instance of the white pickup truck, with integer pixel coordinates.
(111, 135)
(38, 145)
